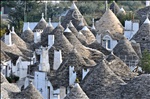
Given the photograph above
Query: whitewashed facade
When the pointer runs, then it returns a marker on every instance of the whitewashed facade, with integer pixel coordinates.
(57, 59)
(20, 68)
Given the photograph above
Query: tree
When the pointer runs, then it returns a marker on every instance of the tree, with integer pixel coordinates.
(145, 62)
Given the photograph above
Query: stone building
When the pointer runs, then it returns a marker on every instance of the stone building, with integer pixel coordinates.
(143, 35)
(126, 53)
(28, 35)
(109, 30)
(102, 82)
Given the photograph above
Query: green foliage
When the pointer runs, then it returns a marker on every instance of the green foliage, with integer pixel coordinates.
(30, 11)
(131, 5)
(145, 62)
(9, 79)
(77, 80)
(123, 17)
(12, 78)
(3, 27)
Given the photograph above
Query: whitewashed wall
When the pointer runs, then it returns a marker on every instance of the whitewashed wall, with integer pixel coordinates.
(72, 75)
(113, 42)
(50, 41)
(57, 59)
(20, 69)
(41, 83)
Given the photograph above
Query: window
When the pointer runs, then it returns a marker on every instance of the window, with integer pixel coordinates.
(106, 42)
(108, 46)
(143, 38)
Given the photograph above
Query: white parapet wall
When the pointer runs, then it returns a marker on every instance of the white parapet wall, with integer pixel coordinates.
(72, 75)
(50, 41)
(57, 59)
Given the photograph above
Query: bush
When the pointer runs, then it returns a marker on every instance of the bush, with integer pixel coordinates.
(12, 79)
(9, 79)
(16, 78)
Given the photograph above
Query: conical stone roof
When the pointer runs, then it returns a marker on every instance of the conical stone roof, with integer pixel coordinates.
(29, 93)
(28, 36)
(141, 13)
(74, 15)
(119, 67)
(10, 49)
(3, 79)
(73, 59)
(137, 48)
(80, 48)
(4, 57)
(88, 34)
(98, 46)
(41, 24)
(5, 94)
(143, 35)
(109, 22)
(79, 35)
(19, 42)
(114, 7)
(7, 88)
(76, 93)
(137, 88)
(101, 82)
(10, 87)
(121, 11)
(60, 43)
(124, 49)
(44, 35)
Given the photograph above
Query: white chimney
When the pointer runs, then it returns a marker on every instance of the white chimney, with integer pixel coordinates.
(93, 26)
(37, 36)
(50, 24)
(44, 60)
(72, 75)
(147, 3)
(57, 59)
(59, 21)
(13, 29)
(50, 41)
(8, 40)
